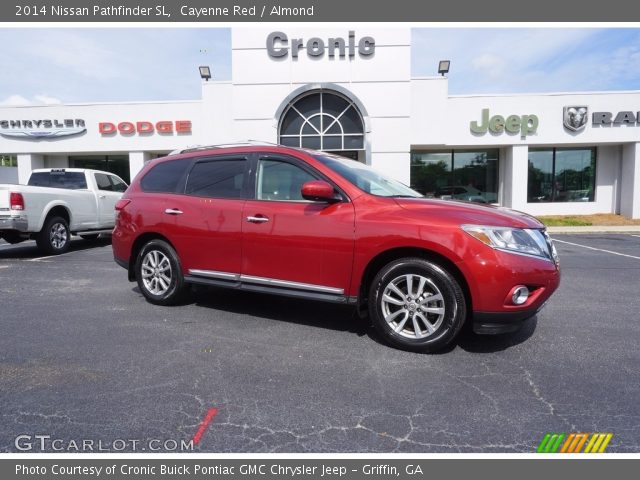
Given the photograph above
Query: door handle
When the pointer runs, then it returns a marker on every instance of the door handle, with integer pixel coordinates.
(101, 196)
(257, 219)
(173, 211)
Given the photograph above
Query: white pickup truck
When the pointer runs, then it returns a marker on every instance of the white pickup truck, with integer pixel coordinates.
(59, 202)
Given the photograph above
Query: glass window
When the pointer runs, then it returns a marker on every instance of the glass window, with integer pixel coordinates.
(217, 178)
(322, 120)
(431, 172)
(118, 164)
(540, 181)
(280, 181)
(59, 179)
(8, 161)
(103, 182)
(470, 175)
(561, 175)
(366, 178)
(118, 184)
(164, 177)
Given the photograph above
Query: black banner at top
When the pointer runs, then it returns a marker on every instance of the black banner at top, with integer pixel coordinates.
(318, 11)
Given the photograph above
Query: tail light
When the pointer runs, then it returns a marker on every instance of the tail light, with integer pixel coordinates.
(120, 204)
(123, 202)
(16, 201)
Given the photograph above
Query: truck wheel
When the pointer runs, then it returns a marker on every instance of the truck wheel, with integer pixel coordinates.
(416, 305)
(90, 236)
(159, 273)
(55, 237)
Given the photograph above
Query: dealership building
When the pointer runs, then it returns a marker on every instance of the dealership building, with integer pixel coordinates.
(351, 91)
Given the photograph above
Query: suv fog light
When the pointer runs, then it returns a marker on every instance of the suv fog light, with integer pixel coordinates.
(520, 295)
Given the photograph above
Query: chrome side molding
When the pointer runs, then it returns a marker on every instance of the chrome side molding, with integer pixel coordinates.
(236, 277)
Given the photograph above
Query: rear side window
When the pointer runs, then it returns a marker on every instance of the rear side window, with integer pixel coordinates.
(118, 185)
(103, 182)
(165, 176)
(217, 178)
(59, 179)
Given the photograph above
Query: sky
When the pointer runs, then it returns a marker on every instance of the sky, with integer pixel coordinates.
(59, 65)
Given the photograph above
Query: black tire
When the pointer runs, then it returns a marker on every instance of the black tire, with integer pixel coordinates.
(176, 289)
(445, 316)
(55, 237)
(90, 236)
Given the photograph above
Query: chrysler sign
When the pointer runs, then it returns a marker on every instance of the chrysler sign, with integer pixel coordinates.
(45, 128)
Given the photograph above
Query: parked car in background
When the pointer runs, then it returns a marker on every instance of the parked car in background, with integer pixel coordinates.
(308, 224)
(57, 203)
(467, 193)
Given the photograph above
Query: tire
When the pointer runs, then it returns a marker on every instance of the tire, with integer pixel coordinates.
(90, 236)
(396, 317)
(55, 237)
(159, 274)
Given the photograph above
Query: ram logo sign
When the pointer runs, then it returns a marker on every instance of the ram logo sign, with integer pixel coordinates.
(575, 118)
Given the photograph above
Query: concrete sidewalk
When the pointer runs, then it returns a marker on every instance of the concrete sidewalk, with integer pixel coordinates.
(597, 229)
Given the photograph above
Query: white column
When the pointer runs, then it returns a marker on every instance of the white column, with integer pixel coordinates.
(136, 162)
(515, 172)
(630, 181)
(26, 163)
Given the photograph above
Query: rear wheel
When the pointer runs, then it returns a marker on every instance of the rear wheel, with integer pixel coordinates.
(55, 237)
(417, 305)
(159, 273)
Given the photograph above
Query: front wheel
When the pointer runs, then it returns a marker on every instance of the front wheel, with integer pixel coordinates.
(55, 237)
(159, 274)
(417, 305)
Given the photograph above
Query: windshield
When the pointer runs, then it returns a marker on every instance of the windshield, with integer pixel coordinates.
(365, 178)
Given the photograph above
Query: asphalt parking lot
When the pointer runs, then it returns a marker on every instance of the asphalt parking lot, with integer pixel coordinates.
(84, 357)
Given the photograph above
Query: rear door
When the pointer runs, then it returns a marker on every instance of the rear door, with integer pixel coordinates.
(107, 199)
(208, 215)
(292, 242)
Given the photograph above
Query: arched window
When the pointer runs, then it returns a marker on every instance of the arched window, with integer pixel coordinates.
(322, 120)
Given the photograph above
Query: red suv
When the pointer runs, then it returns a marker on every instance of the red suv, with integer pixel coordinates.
(313, 225)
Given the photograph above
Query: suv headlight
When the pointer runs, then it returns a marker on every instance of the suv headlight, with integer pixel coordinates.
(524, 241)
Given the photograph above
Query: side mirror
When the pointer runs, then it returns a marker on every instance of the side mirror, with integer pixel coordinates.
(318, 190)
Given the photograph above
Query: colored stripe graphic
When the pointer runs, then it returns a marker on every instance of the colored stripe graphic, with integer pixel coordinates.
(573, 442)
(598, 442)
(551, 442)
(211, 413)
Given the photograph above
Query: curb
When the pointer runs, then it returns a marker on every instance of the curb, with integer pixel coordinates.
(596, 229)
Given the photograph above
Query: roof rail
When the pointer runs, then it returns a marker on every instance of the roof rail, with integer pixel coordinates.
(244, 143)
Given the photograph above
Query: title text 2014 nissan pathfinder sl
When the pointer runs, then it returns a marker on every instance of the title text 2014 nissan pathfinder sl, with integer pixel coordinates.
(308, 224)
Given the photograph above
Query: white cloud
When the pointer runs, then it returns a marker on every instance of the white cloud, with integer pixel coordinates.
(503, 60)
(47, 100)
(489, 64)
(20, 101)
(15, 101)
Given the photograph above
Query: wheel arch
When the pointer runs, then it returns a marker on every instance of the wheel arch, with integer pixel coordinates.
(58, 210)
(388, 256)
(138, 243)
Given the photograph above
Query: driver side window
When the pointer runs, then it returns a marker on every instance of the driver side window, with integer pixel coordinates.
(280, 181)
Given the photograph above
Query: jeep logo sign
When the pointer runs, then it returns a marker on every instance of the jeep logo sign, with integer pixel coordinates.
(497, 124)
(279, 46)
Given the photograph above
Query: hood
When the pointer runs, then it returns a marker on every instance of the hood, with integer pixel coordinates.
(460, 212)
